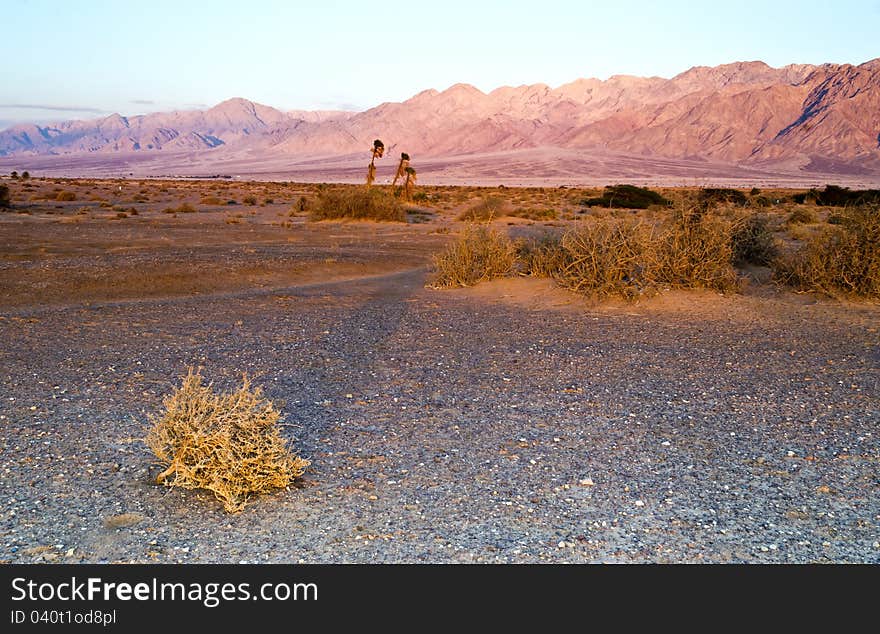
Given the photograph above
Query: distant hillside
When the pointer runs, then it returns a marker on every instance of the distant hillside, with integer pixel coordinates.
(811, 118)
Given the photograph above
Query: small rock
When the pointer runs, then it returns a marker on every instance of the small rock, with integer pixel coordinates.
(587, 482)
(639, 503)
(124, 520)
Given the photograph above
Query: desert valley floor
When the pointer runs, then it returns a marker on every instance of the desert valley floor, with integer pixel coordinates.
(509, 422)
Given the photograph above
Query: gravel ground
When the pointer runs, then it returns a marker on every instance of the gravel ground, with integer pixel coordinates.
(445, 427)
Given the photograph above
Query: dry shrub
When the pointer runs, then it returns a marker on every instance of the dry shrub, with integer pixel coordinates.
(695, 251)
(803, 216)
(543, 256)
(65, 196)
(607, 257)
(842, 258)
(753, 242)
(629, 258)
(358, 204)
(479, 254)
(227, 443)
(485, 210)
(210, 200)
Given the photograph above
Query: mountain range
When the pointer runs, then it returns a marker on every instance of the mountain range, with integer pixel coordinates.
(797, 119)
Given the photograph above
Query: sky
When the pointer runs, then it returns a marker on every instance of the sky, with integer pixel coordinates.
(82, 59)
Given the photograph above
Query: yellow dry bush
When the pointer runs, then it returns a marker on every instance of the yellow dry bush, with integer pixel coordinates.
(607, 257)
(228, 443)
(695, 250)
(841, 259)
(480, 254)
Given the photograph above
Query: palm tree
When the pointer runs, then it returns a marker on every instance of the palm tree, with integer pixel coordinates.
(401, 168)
(410, 183)
(378, 150)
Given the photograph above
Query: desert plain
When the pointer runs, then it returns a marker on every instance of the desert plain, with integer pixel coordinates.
(513, 421)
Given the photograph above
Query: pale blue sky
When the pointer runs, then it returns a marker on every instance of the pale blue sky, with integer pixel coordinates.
(81, 58)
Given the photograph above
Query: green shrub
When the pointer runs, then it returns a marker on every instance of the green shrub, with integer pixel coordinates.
(358, 204)
(834, 196)
(753, 242)
(480, 254)
(841, 258)
(626, 197)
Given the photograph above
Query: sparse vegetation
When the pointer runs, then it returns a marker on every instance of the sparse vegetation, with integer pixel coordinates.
(610, 256)
(480, 254)
(227, 443)
(358, 204)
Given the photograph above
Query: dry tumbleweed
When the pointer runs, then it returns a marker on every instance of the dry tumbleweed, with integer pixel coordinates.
(226, 443)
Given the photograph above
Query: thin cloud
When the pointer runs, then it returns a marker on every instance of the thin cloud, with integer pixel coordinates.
(143, 102)
(339, 105)
(31, 106)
